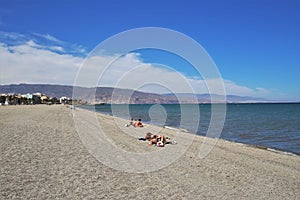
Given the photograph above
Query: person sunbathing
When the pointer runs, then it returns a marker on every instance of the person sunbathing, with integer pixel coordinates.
(138, 123)
(131, 123)
(158, 140)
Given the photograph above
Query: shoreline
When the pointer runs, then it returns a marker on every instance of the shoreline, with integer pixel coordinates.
(44, 157)
(275, 150)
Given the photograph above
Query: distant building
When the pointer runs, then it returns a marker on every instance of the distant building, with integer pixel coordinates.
(65, 100)
(31, 99)
(38, 94)
(28, 96)
(44, 99)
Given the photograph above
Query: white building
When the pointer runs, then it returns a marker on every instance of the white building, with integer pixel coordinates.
(63, 99)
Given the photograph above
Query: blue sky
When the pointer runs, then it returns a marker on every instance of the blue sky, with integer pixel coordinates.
(255, 44)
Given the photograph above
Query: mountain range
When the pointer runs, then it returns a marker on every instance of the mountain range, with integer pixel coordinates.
(117, 95)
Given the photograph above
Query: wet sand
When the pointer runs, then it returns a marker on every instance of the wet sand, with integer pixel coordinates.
(44, 157)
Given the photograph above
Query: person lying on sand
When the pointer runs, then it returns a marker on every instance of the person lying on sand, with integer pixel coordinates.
(158, 140)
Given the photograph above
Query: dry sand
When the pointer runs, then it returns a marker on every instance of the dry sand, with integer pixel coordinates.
(43, 157)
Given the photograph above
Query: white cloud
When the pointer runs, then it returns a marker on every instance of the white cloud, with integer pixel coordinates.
(32, 62)
(57, 48)
(31, 43)
(130, 72)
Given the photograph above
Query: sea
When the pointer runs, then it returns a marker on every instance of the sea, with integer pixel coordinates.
(270, 125)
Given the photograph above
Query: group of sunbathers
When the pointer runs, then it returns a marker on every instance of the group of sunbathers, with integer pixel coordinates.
(157, 140)
(137, 123)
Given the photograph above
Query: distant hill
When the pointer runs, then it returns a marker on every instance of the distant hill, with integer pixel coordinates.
(105, 94)
(207, 98)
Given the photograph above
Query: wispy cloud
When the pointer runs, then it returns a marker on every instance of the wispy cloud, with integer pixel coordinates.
(48, 37)
(59, 45)
(12, 38)
(44, 41)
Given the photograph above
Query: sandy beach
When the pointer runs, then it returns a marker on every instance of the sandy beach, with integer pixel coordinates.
(44, 157)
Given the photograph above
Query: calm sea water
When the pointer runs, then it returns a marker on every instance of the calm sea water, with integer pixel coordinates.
(271, 125)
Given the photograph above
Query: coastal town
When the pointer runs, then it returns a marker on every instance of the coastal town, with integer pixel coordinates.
(32, 99)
